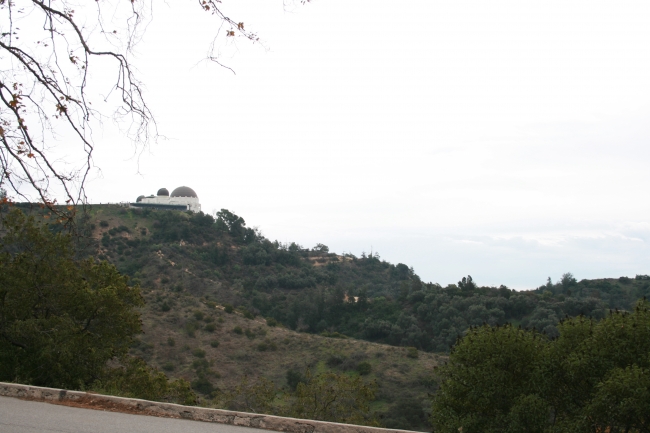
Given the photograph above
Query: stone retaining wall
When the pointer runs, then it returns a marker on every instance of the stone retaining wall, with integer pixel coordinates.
(145, 407)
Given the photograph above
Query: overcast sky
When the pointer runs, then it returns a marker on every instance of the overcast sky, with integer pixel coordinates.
(508, 140)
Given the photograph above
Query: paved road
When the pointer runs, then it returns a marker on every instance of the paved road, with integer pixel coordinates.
(19, 416)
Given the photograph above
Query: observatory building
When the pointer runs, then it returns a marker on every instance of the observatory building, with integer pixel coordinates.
(182, 198)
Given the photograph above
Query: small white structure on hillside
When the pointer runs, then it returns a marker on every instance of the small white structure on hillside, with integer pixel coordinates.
(182, 198)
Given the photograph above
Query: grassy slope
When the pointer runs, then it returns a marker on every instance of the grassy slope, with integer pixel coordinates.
(398, 375)
(400, 378)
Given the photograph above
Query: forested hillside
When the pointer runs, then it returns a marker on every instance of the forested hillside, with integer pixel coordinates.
(317, 291)
(195, 269)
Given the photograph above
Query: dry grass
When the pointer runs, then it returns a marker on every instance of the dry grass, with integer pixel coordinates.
(261, 350)
(172, 283)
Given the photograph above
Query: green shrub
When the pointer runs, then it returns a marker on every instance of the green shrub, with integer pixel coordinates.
(333, 397)
(103, 223)
(135, 379)
(171, 341)
(406, 413)
(262, 347)
(200, 364)
(412, 352)
(210, 327)
(294, 378)
(168, 366)
(198, 315)
(214, 343)
(238, 330)
(203, 385)
(228, 308)
(199, 353)
(270, 321)
(191, 328)
(334, 360)
(250, 334)
(165, 307)
(364, 368)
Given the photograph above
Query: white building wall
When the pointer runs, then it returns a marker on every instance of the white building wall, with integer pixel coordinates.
(192, 202)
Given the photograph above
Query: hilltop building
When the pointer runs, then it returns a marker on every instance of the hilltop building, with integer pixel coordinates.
(182, 198)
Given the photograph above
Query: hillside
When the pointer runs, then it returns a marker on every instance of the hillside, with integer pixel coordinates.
(216, 350)
(188, 273)
(193, 268)
(306, 289)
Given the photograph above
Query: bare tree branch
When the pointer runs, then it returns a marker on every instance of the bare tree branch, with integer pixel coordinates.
(47, 50)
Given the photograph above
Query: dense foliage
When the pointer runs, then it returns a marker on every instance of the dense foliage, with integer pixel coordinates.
(594, 377)
(62, 319)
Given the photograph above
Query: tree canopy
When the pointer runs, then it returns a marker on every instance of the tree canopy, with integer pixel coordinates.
(61, 319)
(594, 377)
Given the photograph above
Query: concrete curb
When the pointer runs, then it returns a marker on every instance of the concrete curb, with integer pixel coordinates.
(170, 410)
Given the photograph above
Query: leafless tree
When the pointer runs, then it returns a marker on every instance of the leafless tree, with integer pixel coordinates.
(54, 59)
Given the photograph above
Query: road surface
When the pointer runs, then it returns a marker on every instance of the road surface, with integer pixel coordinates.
(20, 416)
